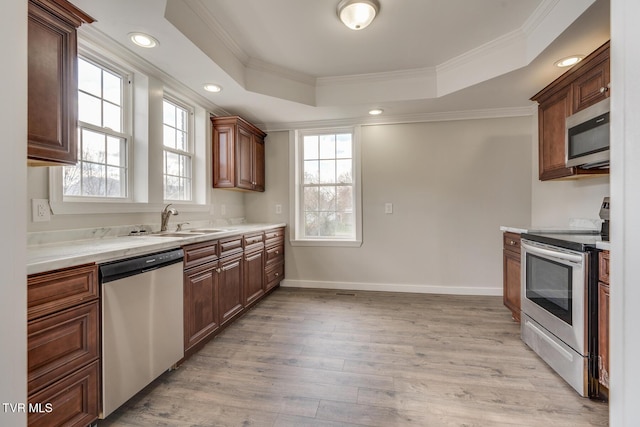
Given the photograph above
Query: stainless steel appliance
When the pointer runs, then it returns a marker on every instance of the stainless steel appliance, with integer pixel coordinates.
(559, 302)
(604, 216)
(142, 323)
(587, 137)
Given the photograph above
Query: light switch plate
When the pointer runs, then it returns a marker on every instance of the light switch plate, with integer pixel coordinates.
(388, 208)
(278, 208)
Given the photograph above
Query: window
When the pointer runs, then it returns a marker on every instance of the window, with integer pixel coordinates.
(102, 167)
(177, 151)
(327, 187)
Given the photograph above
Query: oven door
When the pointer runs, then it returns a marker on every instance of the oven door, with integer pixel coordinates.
(554, 289)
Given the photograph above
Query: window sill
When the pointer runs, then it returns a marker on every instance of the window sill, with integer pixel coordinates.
(327, 243)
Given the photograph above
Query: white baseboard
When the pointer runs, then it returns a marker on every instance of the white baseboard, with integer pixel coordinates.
(390, 287)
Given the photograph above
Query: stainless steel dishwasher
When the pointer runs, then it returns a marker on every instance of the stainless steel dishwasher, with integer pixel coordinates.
(142, 323)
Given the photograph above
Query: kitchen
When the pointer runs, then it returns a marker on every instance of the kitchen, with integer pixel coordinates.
(442, 218)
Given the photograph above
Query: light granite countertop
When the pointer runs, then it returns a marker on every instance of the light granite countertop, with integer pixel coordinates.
(45, 255)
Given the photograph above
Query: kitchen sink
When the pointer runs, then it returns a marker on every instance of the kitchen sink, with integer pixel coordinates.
(209, 230)
(177, 234)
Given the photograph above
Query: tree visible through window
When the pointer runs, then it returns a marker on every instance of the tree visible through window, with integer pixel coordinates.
(101, 170)
(327, 190)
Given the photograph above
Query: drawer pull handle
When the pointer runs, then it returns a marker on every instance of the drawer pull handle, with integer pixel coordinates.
(512, 242)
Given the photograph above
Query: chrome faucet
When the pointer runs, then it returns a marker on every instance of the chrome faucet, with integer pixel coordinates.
(165, 214)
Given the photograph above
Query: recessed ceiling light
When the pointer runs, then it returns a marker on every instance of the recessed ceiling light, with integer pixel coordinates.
(569, 61)
(143, 40)
(211, 87)
(358, 14)
(376, 111)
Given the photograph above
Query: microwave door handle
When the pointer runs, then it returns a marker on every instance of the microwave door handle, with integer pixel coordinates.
(577, 259)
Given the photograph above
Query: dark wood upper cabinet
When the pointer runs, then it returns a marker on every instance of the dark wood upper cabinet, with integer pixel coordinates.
(582, 86)
(238, 154)
(52, 81)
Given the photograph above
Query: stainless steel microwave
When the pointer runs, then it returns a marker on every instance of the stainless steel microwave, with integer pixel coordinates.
(587, 137)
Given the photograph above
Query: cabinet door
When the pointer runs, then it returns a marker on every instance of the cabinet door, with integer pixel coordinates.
(253, 276)
(223, 156)
(230, 288)
(551, 124)
(593, 85)
(52, 94)
(258, 163)
(603, 334)
(61, 343)
(74, 401)
(511, 283)
(201, 304)
(245, 159)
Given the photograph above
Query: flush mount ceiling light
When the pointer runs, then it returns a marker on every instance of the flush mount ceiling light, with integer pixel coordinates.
(212, 87)
(376, 111)
(143, 40)
(569, 61)
(358, 14)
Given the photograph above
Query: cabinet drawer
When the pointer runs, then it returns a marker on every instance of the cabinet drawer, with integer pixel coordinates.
(603, 267)
(274, 275)
(230, 246)
(253, 242)
(60, 289)
(511, 242)
(73, 401)
(275, 254)
(200, 253)
(61, 343)
(274, 237)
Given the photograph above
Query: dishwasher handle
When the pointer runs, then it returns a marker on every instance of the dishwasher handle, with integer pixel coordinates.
(131, 266)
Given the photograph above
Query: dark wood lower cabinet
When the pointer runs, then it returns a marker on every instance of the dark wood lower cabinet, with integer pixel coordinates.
(253, 276)
(201, 303)
(63, 340)
(511, 273)
(224, 278)
(603, 323)
(231, 288)
(72, 401)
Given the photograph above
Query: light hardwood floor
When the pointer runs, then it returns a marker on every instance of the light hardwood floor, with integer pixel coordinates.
(335, 358)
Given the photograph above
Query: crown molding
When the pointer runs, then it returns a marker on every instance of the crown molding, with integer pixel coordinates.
(96, 41)
(489, 113)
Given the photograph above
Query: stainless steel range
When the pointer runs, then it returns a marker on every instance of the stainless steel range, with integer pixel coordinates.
(559, 301)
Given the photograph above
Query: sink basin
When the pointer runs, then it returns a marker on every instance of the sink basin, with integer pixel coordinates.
(177, 234)
(209, 230)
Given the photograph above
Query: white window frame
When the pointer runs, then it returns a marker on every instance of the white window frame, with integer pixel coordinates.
(190, 152)
(147, 87)
(296, 168)
(126, 133)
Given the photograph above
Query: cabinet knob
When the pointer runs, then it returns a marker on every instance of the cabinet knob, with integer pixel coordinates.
(511, 242)
(277, 274)
(603, 89)
(219, 270)
(277, 252)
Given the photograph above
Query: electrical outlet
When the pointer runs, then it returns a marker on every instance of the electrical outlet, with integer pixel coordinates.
(40, 211)
(388, 208)
(278, 208)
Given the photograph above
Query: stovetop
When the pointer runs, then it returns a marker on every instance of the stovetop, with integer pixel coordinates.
(572, 241)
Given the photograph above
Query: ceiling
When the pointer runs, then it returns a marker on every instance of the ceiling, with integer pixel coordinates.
(291, 63)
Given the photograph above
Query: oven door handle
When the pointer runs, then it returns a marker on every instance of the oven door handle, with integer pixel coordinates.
(563, 256)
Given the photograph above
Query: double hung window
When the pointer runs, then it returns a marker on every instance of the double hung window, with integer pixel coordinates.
(178, 152)
(102, 170)
(327, 188)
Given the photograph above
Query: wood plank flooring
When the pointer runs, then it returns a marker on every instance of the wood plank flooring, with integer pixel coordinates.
(333, 358)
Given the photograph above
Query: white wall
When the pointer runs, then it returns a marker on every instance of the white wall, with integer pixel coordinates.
(625, 214)
(452, 185)
(13, 298)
